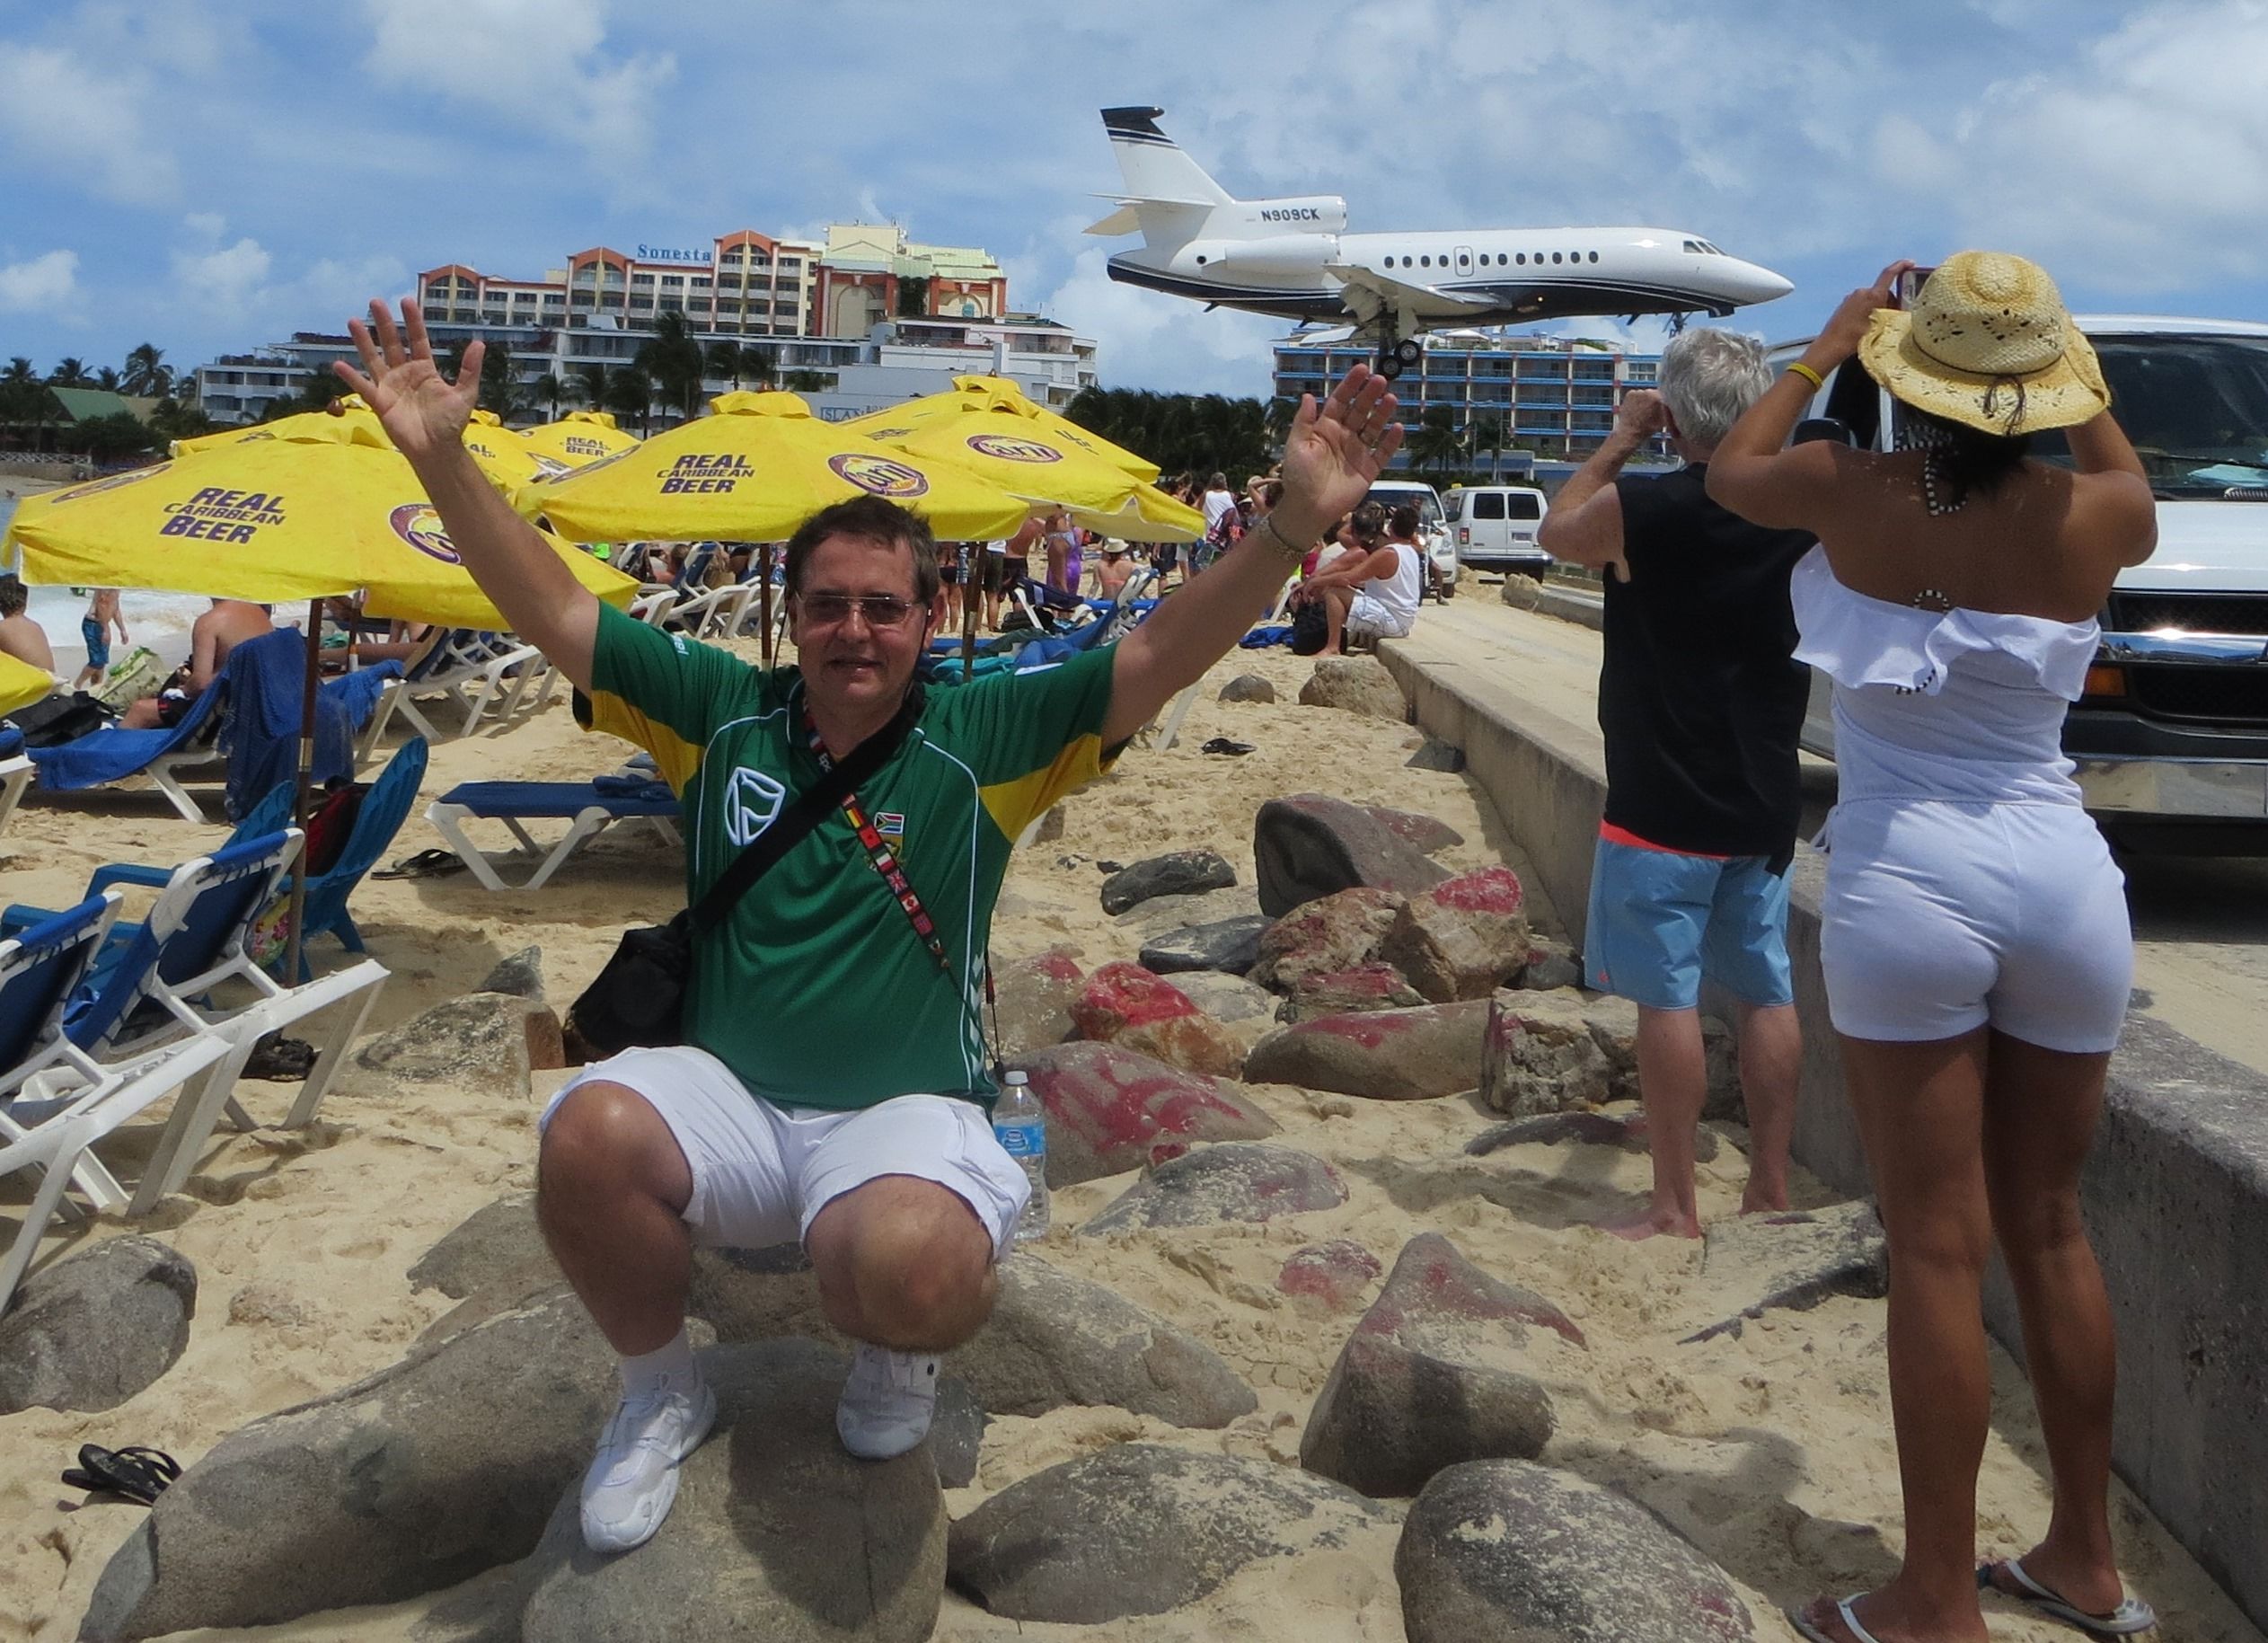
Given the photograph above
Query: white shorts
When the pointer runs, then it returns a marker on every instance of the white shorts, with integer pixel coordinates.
(1374, 619)
(762, 1172)
(1941, 918)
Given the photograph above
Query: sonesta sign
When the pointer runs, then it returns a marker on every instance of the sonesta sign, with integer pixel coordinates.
(674, 254)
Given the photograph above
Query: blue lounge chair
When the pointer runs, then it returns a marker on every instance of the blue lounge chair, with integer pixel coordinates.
(113, 754)
(56, 1101)
(588, 807)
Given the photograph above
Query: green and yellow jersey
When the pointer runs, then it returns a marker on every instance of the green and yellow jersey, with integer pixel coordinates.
(817, 991)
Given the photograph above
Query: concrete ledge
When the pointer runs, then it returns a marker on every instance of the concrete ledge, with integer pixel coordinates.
(2176, 1193)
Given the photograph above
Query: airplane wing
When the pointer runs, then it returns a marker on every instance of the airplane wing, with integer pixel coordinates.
(1367, 292)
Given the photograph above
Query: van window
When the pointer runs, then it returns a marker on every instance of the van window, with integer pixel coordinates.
(1488, 505)
(1453, 505)
(1526, 505)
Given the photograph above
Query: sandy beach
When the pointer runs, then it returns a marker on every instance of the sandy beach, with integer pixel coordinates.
(1771, 1452)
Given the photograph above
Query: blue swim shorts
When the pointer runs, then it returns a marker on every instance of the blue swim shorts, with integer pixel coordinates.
(1660, 920)
(97, 635)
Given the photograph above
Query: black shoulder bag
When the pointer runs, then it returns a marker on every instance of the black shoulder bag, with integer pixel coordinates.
(639, 999)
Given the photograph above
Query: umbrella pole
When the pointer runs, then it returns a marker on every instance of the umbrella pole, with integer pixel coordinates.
(301, 780)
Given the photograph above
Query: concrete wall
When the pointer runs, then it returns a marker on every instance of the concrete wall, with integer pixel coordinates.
(2176, 1193)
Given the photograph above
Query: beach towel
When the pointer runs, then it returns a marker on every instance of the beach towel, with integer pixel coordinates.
(359, 691)
(1261, 638)
(11, 741)
(266, 677)
(112, 754)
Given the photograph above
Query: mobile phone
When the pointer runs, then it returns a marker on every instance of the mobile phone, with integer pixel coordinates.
(1909, 284)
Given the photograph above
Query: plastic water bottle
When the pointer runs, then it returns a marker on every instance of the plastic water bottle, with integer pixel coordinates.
(1020, 1122)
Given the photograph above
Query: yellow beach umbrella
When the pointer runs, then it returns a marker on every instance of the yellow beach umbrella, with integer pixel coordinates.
(499, 451)
(1020, 455)
(577, 439)
(997, 394)
(752, 471)
(1149, 515)
(20, 683)
(272, 520)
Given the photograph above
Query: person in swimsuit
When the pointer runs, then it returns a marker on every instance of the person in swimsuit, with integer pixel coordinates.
(103, 614)
(1974, 936)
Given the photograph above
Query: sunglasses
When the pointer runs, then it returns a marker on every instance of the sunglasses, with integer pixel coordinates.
(880, 610)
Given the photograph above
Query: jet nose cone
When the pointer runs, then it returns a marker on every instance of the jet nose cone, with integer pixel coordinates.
(1761, 285)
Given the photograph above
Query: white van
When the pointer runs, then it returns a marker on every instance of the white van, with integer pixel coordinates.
(1494, 527)
(2171, 738)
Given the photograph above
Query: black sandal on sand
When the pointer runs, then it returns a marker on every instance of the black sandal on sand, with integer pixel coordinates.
(136, 1471)
(280, 1059)
(1221, 743)
(426, 864)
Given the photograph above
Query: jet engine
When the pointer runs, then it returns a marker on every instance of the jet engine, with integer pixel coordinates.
(1297, 214)
(1297, 257)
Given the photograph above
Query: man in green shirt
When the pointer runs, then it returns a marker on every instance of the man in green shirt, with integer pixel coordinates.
(831, 1084)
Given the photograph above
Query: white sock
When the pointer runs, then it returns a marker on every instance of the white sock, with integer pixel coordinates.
(670, 1367)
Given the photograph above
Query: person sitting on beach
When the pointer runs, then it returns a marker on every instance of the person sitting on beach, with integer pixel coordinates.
(1973, 929)
(219, 630)
(103, 614)
(833, 1085)
(20, 636)
(1116, 567)
(1700, 707)
(1371, 587)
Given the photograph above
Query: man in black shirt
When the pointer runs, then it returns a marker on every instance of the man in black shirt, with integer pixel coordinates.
(1700, 702)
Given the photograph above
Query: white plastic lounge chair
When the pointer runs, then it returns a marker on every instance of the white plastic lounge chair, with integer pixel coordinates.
(15, 775)
(479, 672)
(587, 807)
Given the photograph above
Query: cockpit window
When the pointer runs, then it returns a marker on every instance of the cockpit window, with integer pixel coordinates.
(1694, 246)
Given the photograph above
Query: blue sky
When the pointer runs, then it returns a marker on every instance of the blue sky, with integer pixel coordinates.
(210, 176)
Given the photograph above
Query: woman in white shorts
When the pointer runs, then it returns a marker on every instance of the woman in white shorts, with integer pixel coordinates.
(1975, 940)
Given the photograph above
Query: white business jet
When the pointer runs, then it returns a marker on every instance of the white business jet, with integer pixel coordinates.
(1293, 256)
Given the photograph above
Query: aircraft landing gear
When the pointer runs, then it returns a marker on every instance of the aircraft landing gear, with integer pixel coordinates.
(1394, 358)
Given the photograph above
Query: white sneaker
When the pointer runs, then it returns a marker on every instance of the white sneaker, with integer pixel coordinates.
(633, 1482)
(886, 1402)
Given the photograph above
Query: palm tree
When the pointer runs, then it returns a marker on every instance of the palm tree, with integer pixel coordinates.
(20, 370)
(630, 392)
(70, 372)
(723, 359)
(587, 385)
(759, 364)
(108, 377)
(807, 382)
(1486, 432)
(1436, 442)
(550, 388)
(672, 358)
(146, 372)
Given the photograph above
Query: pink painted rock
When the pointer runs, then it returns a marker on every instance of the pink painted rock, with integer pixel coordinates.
(1230, 1180)
(1335, 1274)
(1462, 938)
(1386, 1055)
(1033, 997)
(1540, 1054)
(1415, 828)
(1366, 987)
(1109, 1110)
(1127, 1005)
(1448, 1364)
(1339, 932)
(1311, 844)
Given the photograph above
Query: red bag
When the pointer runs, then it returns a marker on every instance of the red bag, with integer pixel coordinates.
(331, 822)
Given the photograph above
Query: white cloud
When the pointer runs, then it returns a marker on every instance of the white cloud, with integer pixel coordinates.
(43, 283)
(227, 277)
(56, 110)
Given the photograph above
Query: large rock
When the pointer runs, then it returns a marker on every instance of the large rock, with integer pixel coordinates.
(1415, 828)
(1796, 1258)
(1053, 1339)
(1522, 592)
(521, 974)
(1550, 964)
(1181, 872)
(1358, 684)
(1229, 944)
(777, 1536)
(1143, 1529)
(1504, 1549)
(96, 1328)
(1229, 1180)
(1343, 930)
(1309, 844)
(427, 1472)
(1580, 1129)
(1386, 1055)
(495, 1240)
(1538, 1055)
(483, 1041)
(1462, 938)
(1110, 1109)
(1246, 687)
(1128, 1006)
(1246, 1011)
(1033, 998)
(1163, 915)
(1363, 988)
(1333, 1275)
(1448, 1364)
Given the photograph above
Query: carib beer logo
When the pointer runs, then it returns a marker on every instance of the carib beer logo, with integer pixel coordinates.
(211, 514)
(1011, 449)
(879, 474)
(417, 525)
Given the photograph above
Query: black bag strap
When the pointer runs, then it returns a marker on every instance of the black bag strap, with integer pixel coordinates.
(811, 807)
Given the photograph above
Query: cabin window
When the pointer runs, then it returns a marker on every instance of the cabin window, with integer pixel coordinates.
(1502, 259)
(1554, 258)
(1594, 256)
(1523, 259)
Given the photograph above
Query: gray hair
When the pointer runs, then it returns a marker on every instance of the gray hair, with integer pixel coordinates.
(1709, 378)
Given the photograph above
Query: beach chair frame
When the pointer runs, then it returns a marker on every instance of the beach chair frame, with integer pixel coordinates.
(449, 814)
(15, 775)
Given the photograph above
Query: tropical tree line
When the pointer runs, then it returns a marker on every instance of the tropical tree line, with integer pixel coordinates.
(31, 414)
(1187, 433)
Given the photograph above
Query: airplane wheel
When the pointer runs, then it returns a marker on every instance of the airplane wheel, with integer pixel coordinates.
(1409, 351)
(1390, 366)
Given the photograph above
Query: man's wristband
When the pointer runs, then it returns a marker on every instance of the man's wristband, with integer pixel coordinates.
(1283, 548)
(1807, 374)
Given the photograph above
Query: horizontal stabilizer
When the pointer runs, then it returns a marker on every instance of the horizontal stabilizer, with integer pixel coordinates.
(1124, 220)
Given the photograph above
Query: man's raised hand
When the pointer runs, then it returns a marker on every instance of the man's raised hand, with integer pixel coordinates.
(422, 409)
(1337, 449)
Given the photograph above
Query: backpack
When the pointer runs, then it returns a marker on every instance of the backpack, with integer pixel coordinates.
(1310, 628)
(331, 823)
(56, 720)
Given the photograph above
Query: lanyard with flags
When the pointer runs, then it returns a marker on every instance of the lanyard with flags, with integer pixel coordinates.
(878, 852)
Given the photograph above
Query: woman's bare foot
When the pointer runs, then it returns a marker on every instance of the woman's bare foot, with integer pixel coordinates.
(2089, 1589)
(1651, 1223)
(1875, 1612)
(1763, 1201)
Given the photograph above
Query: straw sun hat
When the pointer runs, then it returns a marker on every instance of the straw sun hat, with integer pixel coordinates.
(1989, 343)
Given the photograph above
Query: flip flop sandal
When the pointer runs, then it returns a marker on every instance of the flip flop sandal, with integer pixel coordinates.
(426, 864)
(1843, 1612)
(136, 1471)
(2132, 1616)
(1221, 743)
(280, 1059)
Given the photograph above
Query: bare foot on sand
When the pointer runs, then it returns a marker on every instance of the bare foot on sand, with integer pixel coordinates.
(1650, 1222)
(1763, 1201)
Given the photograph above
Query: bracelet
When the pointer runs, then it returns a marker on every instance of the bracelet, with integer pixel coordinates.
(1286, 551)
(1807, 374)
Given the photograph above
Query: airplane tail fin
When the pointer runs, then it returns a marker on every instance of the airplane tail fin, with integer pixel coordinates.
(1169, 195)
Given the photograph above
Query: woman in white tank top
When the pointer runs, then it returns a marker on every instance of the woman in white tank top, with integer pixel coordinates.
(1974, 936)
